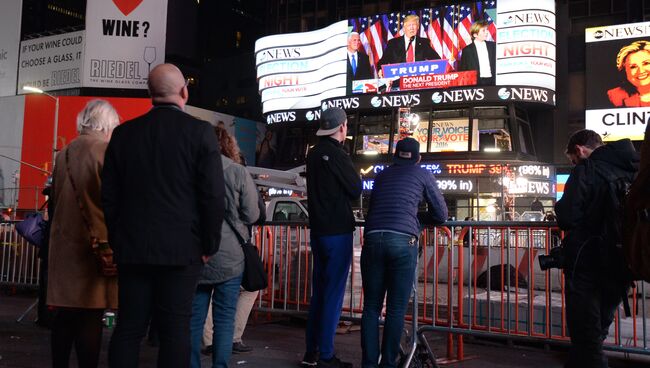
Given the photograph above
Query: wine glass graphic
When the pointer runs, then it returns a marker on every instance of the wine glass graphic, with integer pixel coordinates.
(149, 56)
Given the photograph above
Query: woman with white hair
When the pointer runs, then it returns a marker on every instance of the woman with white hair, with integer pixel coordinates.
(78, 287)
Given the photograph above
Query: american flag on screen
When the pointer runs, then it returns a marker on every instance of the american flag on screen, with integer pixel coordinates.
(371, 35)
(449, 36)
(446, 27)
(432, 30)
(483, 9)
(392, 24)
(464, 24)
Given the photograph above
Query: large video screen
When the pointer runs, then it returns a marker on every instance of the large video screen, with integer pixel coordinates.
(459, 50)
(618, 80)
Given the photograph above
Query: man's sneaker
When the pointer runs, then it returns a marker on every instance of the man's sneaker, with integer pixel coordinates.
(309, 360)
(239, 347)
(333, 362)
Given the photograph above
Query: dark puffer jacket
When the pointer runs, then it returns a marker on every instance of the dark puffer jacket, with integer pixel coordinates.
(396, 195)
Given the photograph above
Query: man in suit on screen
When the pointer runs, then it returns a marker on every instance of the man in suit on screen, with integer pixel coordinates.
(358, 62)
(409, 48)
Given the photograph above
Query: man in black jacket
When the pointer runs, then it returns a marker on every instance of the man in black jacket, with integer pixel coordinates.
(163, 199)
(409, 48)
(594, 283)
(332, 182)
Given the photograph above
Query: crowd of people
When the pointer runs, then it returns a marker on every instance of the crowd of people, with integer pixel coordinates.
(152, 213)
(146, 213)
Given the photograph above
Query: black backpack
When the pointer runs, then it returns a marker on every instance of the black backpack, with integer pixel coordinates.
(613, 204)
(611, 229)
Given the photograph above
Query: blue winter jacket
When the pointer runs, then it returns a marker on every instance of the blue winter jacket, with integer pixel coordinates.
(396, 193)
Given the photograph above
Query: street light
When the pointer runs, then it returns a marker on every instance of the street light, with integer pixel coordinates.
(56, 115)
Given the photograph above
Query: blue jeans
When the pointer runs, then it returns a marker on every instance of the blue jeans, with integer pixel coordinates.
(388, 262)
(224, 305)
(332, 257)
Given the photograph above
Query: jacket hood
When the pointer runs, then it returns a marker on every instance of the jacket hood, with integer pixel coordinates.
(620, 154)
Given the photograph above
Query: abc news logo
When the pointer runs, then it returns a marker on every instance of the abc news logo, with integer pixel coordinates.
(621, 32)
(290, 116)
(395, 101)
(281, 117)
(524, 94)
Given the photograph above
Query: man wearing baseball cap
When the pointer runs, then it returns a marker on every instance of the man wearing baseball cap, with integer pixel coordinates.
(332, 183)
(390, 250)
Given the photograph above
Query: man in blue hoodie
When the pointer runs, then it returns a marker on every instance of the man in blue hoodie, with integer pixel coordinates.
(389, 253)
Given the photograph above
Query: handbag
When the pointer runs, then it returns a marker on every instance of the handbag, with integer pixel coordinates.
(101, 250)
(254, 277)
(33, 228)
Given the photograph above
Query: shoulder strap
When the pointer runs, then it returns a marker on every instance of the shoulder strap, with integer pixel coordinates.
(234, 229)
(76, 194)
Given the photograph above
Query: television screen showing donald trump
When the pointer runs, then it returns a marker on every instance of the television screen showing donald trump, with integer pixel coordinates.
(453, 53)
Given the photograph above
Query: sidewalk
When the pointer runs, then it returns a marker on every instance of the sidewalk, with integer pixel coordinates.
(276, 344)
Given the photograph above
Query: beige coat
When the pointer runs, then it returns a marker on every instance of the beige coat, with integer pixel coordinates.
(74, 279)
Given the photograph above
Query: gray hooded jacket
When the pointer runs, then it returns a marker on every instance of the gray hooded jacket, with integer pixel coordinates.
(241, 204)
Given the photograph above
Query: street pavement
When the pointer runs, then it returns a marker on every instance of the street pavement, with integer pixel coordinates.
(278, 341)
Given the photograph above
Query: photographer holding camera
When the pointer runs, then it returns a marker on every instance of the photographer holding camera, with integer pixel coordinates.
(595, 276)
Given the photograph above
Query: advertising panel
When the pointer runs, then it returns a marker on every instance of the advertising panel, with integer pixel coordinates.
(618, 80)
(429, 49)
(11, 120)
(10, 15)
(526, 48)
(51, 63)
(125, 40)
(297, 71)
(452, 135)
(466, 177)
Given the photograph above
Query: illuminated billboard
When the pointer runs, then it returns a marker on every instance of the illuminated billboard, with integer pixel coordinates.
(481, 51)
(618, 80)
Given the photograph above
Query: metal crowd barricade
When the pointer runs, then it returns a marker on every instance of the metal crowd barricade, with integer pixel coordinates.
(19, 262)
(476, 278)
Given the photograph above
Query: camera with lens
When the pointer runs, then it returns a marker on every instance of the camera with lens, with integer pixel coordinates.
(554, 259)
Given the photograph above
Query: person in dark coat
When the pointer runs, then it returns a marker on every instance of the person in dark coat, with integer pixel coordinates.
(537, 205)
(332, 183)
(408, 48)
(163, 199)
(390, 251)
(592, 283)
(480, 55)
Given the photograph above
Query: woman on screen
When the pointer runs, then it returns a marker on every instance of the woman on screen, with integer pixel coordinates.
(635, 59)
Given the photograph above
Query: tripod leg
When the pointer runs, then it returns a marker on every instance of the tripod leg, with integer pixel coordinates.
(29, 309)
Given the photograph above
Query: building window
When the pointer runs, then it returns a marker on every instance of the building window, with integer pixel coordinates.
(372, 139)
(493, 131)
